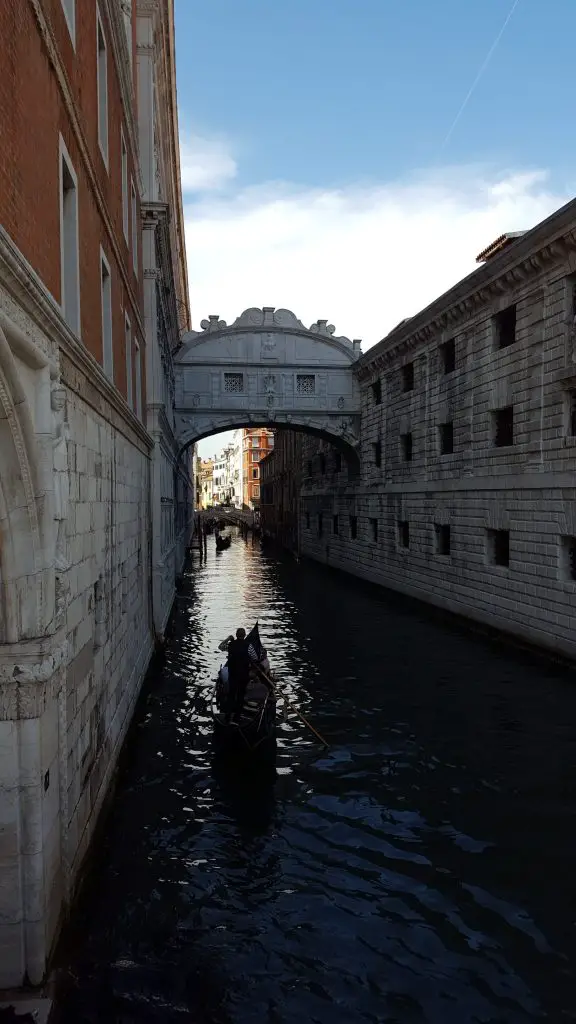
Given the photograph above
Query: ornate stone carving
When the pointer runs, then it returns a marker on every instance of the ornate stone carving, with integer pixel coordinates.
(61, 475)
(62, 597)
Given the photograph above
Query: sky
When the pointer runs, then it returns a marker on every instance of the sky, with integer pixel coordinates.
(348, 159)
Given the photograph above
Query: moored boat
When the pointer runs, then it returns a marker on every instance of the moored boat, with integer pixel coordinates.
(223, 542)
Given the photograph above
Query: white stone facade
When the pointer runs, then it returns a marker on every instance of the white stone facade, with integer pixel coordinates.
(75, 632)
(267, 369)
(462, 502)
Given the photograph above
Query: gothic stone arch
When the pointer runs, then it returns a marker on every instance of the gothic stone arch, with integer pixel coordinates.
(268, 369)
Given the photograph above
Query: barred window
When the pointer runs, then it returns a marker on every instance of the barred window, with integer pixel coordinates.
(234, 382)
(305, 384)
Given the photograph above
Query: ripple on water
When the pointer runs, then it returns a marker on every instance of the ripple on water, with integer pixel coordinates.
(399, 876)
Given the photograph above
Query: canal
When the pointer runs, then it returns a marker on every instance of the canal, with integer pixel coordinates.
(420, 870)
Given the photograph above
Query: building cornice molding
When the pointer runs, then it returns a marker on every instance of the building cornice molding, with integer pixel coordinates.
(64, 85)
(534, 254)
(26, 288)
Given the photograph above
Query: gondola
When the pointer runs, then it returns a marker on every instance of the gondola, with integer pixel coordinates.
(254, 735)
(222, 543)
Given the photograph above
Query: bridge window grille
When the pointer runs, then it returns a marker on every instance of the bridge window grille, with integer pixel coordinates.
(305, 384)
(408, 377)
(234, 383)
(377, 392)
(320, 524)
(322, 463)
(353, 527)
(337, 461)
(374, 530)
(307, 520)
(504, 427)
(335, 529)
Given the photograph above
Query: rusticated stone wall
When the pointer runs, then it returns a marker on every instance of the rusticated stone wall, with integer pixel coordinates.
(467, 491)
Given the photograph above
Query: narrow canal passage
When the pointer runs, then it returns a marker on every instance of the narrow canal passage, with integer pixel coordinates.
(420, 870)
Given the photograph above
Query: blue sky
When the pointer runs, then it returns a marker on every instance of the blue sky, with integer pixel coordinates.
(317, 172)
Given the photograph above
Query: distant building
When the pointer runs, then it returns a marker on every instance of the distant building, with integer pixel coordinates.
(205, 483)
(236, 469)
(280, 482)
(256, 444)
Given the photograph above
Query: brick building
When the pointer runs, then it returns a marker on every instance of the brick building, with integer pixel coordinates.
(91, 307)
(256, 443)
(280, 483)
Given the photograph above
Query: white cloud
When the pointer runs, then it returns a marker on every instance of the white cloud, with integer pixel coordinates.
(363, 257)
(205, 164)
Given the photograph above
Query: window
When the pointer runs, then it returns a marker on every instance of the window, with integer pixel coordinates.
(377, 392)
(305, 384)
(442, 536)
(69, 254)
(102, 87)
(505, 325)
(335, 525)
(374, 529)
(320, 524)
(106, 296)
(69, 8)
(377, 449)
(309, 468)
(353, 527)
(234, 384)
(128, 344)
(571, 413)
(255, 440)
(448, 356)
(255, 473)
(404, 533)
(504, 427)
(499, 547)
(256, 492)
(134, 227)
(408, 377)
(446, 438)
(138, 379)
(307, 520)
(124, 159)
(406, 447)
(255, 456)
(337, 461)
(568, 557)
(322, 463)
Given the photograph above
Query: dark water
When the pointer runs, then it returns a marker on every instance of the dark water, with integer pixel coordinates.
(420, 870)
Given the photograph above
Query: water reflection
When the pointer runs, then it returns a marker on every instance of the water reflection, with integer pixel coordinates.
(415, 871)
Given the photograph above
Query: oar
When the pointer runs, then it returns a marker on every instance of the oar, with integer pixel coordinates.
(299, 713)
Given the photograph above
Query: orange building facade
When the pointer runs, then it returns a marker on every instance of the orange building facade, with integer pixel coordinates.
(257, 443)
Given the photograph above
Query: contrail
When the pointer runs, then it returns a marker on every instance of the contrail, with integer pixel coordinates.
(479, 75)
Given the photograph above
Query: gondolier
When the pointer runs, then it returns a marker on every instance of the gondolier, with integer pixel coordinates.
(245, 701)
(241, 652)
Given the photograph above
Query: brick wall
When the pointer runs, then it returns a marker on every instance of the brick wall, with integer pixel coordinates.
(33, 114)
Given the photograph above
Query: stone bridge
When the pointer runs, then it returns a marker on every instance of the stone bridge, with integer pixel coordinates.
(268, 369)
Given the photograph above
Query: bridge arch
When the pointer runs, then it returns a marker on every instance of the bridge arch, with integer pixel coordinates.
(267, 369)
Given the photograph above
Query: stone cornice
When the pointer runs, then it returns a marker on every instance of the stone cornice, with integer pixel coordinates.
(22, 282)
(532, 255)
(64, 85)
